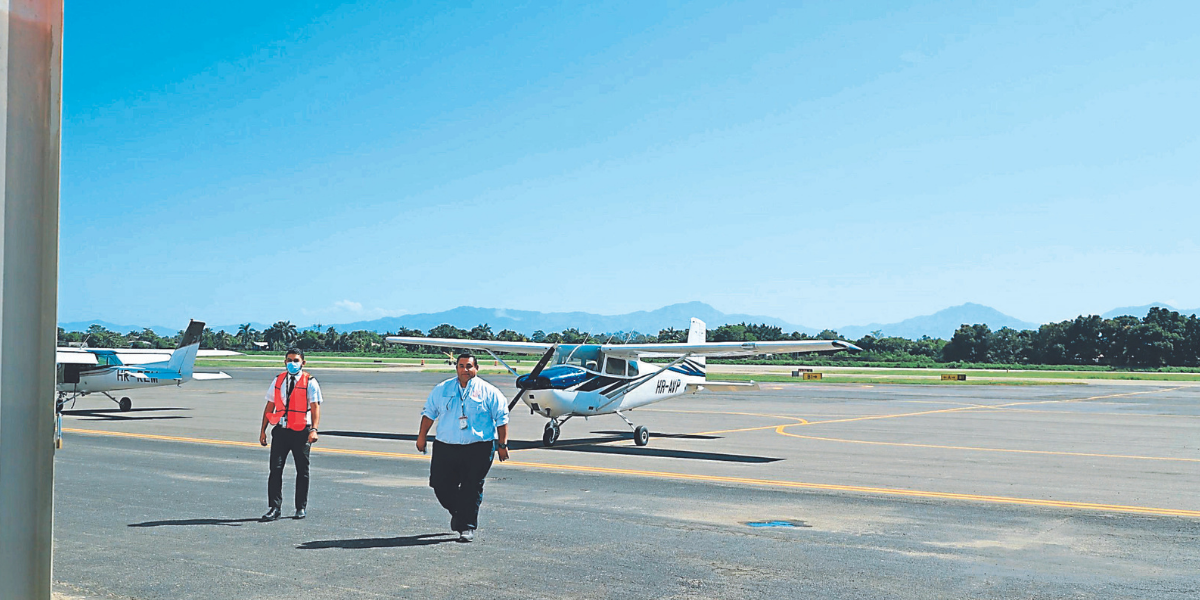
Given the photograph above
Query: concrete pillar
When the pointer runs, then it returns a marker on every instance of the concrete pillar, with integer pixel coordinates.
(30, 93)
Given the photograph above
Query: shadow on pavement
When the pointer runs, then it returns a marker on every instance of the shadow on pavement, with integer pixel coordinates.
(229, 522)
(425, 539)
(571, 446)
(116, 414)
(595, 445)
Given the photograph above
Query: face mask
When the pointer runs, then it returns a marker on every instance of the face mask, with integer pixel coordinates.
(293, 367)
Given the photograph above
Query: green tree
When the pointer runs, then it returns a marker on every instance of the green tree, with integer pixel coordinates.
(508, 335)
(969, 344)
(481, 332)
(671, 335)
(281, 335)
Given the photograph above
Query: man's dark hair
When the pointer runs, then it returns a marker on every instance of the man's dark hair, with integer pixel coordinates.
(296, 351)
(468, 355)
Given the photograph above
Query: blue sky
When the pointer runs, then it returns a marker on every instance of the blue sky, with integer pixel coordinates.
(823, 163)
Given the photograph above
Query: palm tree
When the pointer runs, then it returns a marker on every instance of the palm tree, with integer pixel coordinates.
(281, 335)
(245, 334)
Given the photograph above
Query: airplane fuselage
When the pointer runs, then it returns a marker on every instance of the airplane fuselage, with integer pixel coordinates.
(567, 389)
(108, 378)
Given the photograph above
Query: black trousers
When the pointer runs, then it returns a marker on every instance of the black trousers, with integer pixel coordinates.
(284, 441)
(456, 474)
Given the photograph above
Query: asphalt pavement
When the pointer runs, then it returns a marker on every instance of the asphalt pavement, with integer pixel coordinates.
(830, 491)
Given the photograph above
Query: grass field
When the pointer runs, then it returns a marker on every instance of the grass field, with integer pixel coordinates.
(880, 380)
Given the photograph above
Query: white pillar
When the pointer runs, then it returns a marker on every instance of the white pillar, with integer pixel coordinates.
(31, 99)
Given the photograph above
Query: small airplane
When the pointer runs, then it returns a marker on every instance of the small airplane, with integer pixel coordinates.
(83, 371)
(587, 380)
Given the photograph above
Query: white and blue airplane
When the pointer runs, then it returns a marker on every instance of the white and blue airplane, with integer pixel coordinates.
(83, 371)
(587, 380)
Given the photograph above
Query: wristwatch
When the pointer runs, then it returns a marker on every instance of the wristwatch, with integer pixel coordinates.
(314, 429)
(505, 446)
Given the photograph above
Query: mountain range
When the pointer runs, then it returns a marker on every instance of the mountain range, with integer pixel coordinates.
(941, 324)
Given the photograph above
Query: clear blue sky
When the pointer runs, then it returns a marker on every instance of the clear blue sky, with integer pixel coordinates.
(825, 163)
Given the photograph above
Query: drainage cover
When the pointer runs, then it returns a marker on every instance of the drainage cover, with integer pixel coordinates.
(788, 524)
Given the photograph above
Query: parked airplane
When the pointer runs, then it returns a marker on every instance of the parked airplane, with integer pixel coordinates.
(586, 380)
(83, 371)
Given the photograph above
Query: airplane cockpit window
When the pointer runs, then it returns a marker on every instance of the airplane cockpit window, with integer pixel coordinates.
(614, 366)
(632, 369)
(108, 359)
(581, 356)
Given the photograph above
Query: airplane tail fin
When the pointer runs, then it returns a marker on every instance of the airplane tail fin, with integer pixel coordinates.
(698, 334)
(184, 357)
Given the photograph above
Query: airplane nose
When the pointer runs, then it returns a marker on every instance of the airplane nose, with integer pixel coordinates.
(526, 382)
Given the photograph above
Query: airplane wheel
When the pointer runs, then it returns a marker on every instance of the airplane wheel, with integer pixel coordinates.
(126, 404)
(641, 435)
(550, 435)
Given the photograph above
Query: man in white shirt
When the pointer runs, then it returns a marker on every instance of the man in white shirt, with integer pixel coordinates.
(472, 422)
(294, 408)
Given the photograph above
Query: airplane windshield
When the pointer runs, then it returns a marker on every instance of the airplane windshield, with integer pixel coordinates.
(587, 357)
(107, 359)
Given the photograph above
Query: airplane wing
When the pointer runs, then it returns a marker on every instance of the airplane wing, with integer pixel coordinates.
(208, 376)
(492, 346)
(73, 356)
(128, 356)
(725, 349)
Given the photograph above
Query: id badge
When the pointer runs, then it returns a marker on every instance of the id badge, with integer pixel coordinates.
(462, 422)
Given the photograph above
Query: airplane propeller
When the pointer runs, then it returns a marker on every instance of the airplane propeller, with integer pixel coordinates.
(537, 370)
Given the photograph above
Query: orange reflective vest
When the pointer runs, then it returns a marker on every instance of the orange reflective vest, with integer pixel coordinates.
(296, 406)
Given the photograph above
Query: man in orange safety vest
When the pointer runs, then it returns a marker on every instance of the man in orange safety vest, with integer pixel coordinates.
(294, 408)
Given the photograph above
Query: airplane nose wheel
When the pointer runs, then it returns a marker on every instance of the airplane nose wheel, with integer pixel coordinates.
(125, 404)
(550, 435)
(641, 435)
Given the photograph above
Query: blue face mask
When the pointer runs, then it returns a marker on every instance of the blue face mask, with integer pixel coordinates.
(293, 368)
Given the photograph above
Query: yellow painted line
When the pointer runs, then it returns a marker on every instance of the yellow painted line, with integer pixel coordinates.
(801, 422)
(212, 442)
(1146, 510)
(977, 449)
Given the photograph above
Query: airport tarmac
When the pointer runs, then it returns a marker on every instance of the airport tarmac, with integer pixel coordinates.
(797, 490)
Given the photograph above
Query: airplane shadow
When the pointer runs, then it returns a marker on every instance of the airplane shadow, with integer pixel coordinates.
(425, 539)
(116, 414)
(228, 522)
(583, 446)
(371, 435)
(594, 445)
(676, 436)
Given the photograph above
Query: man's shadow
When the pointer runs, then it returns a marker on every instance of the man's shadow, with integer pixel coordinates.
(425, 539)
(227, 522)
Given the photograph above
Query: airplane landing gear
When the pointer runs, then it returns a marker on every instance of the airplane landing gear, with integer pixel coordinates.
(125, 404)
(550, 435)
(641, 435)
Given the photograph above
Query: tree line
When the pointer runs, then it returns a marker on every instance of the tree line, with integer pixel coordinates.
(1163, 338)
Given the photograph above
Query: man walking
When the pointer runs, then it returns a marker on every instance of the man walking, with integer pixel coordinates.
(472, 421)
(294, 408)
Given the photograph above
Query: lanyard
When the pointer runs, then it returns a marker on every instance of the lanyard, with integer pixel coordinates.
(462, 397)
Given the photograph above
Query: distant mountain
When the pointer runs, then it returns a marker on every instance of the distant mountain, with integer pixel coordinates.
(1142, 311)
(157, 329)
(526, 322)
(941, 324)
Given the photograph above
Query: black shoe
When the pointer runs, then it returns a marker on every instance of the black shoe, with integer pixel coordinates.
(300, 513)
(271, 515)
